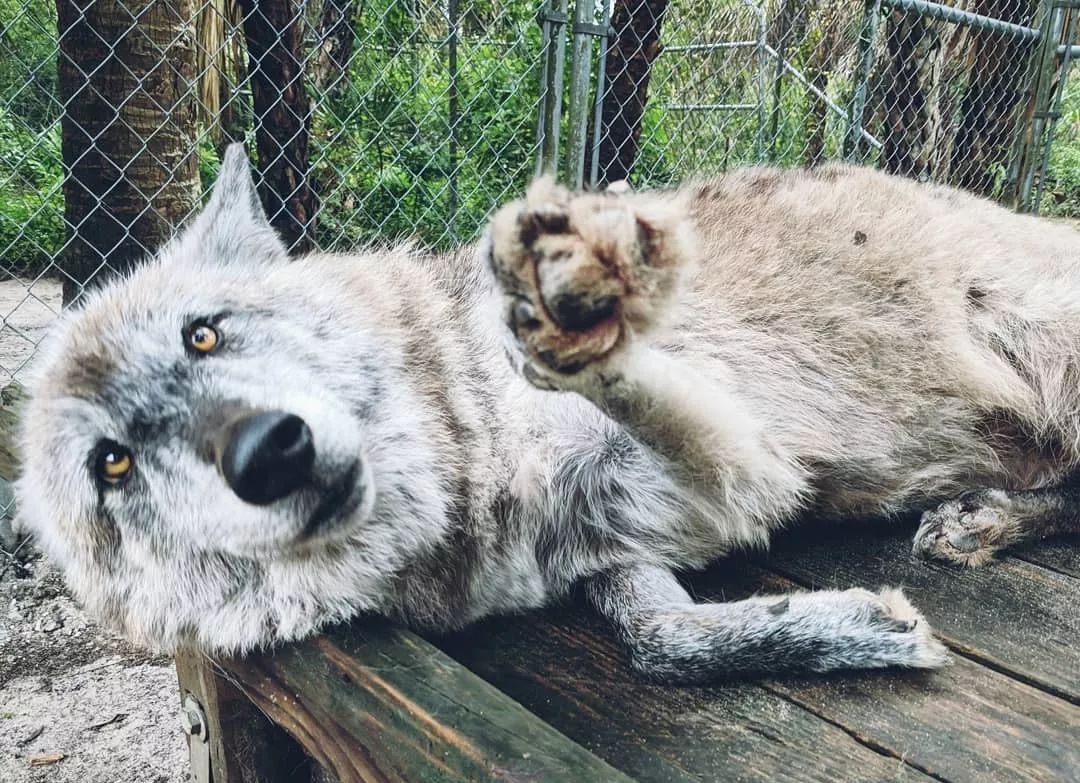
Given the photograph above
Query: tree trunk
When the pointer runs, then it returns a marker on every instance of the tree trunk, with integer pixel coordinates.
(336, 43)
(990, 109)
(627, 67)
(908, 42)
(273, 30)
(785, 31)
(817, 117)
(126, 77)
(234, 117)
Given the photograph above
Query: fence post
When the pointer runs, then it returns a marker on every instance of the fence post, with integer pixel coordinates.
(1054, 114)
(580, 66)
(783, 32)
(867, 37)
(552, 20)
(1042, 74)
(759, 52)
(453, 111)
(598, 101)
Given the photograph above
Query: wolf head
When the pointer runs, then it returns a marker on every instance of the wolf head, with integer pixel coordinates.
(220, 449)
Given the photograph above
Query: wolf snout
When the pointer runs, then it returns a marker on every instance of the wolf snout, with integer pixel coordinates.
(267, 456)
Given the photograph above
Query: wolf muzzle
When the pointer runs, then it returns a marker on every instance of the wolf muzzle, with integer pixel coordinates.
(267, 456)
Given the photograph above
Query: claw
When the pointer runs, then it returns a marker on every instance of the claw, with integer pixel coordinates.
(524, 315)
(964, 542)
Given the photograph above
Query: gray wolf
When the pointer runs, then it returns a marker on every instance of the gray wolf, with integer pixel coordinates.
(230, 448)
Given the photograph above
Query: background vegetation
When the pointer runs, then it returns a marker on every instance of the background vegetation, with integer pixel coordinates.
(389, 157)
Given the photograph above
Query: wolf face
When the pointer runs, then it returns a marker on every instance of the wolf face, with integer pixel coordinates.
(209, 458)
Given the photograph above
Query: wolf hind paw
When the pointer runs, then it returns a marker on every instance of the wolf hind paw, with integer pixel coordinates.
(967, 531)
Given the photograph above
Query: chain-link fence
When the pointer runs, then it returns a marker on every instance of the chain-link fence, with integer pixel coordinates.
(369, 120)
(377, 119)
(968, 93)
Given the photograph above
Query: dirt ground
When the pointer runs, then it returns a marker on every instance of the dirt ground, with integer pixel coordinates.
(76, 703)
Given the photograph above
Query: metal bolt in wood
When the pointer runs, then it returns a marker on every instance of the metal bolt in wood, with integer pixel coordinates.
(193, 719)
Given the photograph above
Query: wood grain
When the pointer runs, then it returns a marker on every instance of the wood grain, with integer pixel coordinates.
(569, 671)
(1014, 615)
(964, 724)
(377, 703)
(1059, 554)
(967, 722)
(245, 746)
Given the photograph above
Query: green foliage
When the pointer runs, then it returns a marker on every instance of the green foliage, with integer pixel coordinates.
(389, 161)
(381, 146)
(31, 198)
(28, 47)
(1061, 192)
(31, 201)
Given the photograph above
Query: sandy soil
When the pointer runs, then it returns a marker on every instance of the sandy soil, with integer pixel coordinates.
(76, 703)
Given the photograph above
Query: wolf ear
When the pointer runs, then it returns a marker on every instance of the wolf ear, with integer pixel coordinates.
(232, 227)
(234, 191)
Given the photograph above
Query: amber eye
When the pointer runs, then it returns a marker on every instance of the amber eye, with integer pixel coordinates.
(114, 463)
(203, 338)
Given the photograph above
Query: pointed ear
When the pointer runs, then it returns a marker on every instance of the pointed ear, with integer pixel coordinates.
(234, 189)
(232, 226)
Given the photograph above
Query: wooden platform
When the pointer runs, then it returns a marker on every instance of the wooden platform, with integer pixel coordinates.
(549, 696)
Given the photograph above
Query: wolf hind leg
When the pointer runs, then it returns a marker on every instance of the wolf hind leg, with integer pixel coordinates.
(971, 529)
(672, 639)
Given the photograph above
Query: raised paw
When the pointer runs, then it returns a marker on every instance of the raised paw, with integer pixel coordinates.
(967, 531)
(579, 273)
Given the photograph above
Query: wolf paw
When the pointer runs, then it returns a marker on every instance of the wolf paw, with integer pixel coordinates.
(871, 630)
(579, 273)
(967, 531)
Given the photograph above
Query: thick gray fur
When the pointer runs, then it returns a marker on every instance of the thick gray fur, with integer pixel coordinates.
(689, 371)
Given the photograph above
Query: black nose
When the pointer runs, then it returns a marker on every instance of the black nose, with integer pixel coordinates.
(268, 456)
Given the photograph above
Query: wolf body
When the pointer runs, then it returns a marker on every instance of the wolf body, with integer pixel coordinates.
(606, 389)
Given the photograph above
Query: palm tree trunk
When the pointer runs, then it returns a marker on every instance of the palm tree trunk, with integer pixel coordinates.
(128, 133)
(627, 67)
(992, 104)
(336, 43)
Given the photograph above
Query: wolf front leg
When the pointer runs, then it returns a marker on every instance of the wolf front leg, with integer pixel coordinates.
(585, 280)
(672, 639)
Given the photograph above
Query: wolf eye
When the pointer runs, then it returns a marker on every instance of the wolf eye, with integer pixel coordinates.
(114, 463)
(202, 338)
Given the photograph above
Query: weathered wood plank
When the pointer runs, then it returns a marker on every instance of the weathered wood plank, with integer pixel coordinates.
(1014, 615)
(242, 745)
(968, 724)
(965, 723)
(1060, 554)
(569, 671)
(376, 703)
